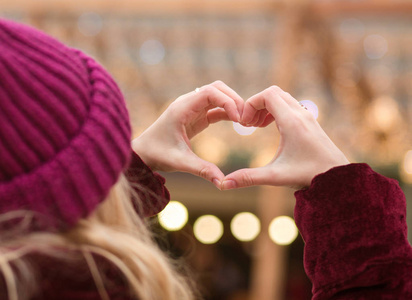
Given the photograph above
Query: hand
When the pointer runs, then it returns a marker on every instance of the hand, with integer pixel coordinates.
(165, 145)
(304, 148)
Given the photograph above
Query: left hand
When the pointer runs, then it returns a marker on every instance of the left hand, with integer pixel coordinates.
(304, 149)
(165, 145)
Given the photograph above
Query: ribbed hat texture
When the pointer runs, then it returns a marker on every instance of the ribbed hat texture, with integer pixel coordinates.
(64, 127)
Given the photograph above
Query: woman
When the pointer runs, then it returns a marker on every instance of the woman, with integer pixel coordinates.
(352, 219)
(67, 174)
(69, 229)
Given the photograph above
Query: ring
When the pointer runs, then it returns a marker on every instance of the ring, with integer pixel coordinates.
(303, 106)
(197, 90)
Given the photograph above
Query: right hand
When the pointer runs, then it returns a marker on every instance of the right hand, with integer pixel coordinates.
(304, 149)
(165, 145)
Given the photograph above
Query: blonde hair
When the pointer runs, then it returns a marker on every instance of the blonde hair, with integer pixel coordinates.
(114, 232)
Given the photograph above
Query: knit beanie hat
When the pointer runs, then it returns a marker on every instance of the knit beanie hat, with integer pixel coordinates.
(64, 128)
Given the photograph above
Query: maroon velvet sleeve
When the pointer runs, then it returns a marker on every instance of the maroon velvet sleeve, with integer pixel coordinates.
(149, 186)
(353, 222)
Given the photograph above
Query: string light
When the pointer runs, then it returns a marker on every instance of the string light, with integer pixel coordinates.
(283, 230)
(245, 226)
(174, 216)
(208, 229)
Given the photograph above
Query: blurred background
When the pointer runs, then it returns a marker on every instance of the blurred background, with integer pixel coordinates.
(352, 59)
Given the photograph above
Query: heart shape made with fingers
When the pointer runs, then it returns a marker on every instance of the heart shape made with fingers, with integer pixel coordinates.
(304, 149)
(241, 153)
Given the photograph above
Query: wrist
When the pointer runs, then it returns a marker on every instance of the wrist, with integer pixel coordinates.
(142, 151)
(326, 167)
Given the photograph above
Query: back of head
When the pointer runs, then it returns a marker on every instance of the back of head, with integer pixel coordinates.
(64, 131)
(64, 143)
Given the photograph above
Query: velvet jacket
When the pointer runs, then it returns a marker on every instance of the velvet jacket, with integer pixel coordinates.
(351, 218)
(353, 222)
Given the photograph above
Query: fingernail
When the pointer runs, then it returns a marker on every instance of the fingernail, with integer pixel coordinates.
(217, 183)
(229, 184)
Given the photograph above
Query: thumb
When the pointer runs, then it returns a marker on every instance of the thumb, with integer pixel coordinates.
(249, 177)
(202, 168)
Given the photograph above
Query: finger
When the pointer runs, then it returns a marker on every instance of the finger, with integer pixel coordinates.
(195, 165)
(255, 118)
(269, 99)
(220, 85)
(217, 115)
(210, 95)
(262, 119)
(269, 119)
(290, 100)
(259, 117)
(248, 177)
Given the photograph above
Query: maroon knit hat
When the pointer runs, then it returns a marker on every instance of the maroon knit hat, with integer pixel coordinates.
(64, 128)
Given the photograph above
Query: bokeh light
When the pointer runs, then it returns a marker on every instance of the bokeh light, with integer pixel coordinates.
(208, 229)
(407, 162)
(211, 149)
(406, 168)
(243, 130)
(351, 30)
(383, 113)
(174, 216)
(245, 226)
(90, 24)
(152, 52)
(283, 230)
(311, 106)
(375, 46)
(263, 156)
